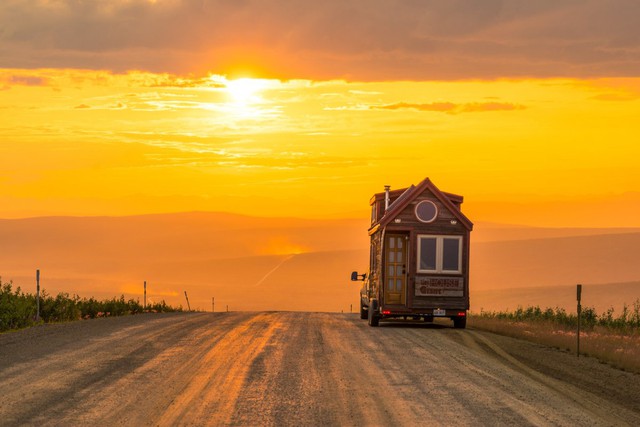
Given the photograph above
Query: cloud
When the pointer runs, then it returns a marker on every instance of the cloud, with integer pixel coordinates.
(617, 97)
(451, 108)
(27, 80)
(8, 80)
(349, 39)
(476, 107)
(445, 107)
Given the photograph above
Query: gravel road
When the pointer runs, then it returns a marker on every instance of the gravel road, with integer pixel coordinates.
(283, 368)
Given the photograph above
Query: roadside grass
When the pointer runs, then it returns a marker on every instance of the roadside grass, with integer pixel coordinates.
(609, 338)
(18, 309)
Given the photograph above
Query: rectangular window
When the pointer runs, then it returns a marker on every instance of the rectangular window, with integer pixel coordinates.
(439, 254)
(450, 254)
(427, 253)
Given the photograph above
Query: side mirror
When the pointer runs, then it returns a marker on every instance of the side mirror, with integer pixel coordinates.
(355, 276)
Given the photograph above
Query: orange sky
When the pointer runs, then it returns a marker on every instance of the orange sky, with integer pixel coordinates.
(525, 109)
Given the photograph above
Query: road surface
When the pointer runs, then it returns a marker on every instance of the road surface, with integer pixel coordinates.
(282, 368)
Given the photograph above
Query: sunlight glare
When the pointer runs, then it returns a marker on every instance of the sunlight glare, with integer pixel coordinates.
(246, 90)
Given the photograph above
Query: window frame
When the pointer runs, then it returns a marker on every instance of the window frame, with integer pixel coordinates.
(439, 253)
(435, 215)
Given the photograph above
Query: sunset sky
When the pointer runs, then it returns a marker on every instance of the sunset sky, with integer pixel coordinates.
(288, 108)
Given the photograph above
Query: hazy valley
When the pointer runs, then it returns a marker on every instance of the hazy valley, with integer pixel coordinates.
(251, 263)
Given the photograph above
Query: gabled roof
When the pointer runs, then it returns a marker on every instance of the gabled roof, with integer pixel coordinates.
(414, 191)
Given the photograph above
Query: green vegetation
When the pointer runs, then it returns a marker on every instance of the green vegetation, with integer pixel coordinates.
(627, 321)
(611, 338)
(18, 310)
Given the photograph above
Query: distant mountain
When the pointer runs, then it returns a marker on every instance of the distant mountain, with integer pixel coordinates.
(491, 232)
(601, 297)
(253, 263)
(203, 253)
(599, 258)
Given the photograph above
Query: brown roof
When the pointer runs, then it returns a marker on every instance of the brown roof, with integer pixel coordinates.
(406, 195)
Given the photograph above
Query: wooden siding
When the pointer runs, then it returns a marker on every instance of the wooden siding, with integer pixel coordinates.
(442, 225)
(376, 270)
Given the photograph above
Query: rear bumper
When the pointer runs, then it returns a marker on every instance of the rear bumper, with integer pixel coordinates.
(387, 312)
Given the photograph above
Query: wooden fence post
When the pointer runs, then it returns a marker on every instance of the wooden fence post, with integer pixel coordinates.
(579, 295)
(37, 295)
(188, 305)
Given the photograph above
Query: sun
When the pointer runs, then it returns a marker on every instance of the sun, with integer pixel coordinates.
(246, 90)
(245, 98)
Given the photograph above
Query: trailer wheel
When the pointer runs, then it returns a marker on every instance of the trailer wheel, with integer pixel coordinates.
(363, 311)
(373, 318)
(459, 322)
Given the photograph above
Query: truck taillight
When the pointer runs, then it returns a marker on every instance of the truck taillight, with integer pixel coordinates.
(462, 313)
(386, 311)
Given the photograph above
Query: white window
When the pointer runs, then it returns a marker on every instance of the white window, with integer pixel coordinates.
(439, 254)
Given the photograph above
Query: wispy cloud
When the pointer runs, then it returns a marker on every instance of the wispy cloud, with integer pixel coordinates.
(27, 80)
(445, 107)
(478, 107)
(451, 108)
(8, 79)
(628, 96)
(174, 81)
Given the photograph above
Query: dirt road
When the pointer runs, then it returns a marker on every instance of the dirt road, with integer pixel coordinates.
(280, 368)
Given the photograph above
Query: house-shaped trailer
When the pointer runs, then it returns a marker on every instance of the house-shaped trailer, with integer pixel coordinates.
(419, 256)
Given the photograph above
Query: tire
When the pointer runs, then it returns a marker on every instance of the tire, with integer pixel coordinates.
(363, 311)
(459, 322)
(373, 318)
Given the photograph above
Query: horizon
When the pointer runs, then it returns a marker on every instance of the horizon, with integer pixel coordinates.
(240, 260)
(336, 217)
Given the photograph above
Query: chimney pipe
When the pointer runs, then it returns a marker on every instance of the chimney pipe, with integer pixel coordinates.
(386, 197)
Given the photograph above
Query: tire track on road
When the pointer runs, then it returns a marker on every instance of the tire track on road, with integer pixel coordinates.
(606, 412)
(292, 368)
(212, 391)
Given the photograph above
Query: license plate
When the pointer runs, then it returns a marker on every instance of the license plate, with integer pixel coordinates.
(438, 312)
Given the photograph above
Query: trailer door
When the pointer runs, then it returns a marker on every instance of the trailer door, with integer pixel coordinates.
(395, 289)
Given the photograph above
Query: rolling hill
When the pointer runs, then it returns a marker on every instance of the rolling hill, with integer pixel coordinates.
(252, 263)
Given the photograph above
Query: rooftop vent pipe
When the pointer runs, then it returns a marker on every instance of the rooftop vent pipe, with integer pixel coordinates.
(387, 198)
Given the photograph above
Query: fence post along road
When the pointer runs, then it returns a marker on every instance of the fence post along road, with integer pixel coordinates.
(37, 295)
(579, 296)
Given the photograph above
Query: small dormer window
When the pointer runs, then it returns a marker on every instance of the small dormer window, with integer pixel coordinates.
(426, 211)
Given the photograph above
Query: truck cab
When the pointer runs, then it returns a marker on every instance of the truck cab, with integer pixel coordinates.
(419, 256)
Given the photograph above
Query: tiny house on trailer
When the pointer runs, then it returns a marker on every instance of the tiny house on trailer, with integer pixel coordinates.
(419, 256)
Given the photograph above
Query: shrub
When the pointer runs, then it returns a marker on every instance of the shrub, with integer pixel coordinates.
(627, 322)
(18, 310)
(611, 338)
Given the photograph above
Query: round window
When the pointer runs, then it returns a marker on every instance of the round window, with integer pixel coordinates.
(426, 211)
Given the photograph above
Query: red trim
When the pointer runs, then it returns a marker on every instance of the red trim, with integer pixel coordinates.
(426, 183)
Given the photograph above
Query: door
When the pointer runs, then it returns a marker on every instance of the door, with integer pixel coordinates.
(395, 289)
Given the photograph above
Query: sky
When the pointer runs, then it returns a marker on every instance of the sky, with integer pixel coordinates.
(281, 108)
